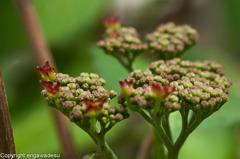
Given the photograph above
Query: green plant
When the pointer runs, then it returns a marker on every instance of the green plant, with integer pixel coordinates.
(194, 89)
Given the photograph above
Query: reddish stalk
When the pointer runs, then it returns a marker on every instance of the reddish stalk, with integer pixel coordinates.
(145, 149)
(42, 53)
(7, 144)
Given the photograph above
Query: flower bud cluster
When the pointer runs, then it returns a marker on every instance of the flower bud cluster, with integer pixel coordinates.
(84, 97)
(169, 40)
(122, 41)
(199, 86)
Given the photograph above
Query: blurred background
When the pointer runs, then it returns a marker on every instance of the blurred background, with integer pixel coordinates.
(72, 28)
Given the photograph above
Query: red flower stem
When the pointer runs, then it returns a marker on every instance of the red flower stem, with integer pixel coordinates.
(43, 54)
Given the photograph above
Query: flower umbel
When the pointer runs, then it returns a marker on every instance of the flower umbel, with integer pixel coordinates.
(52, 88)
(126, 87)
(47, 72)
(93, 107)
(161, 92)
(170, 40)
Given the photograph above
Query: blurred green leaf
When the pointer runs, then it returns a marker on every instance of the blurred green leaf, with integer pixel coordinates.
(62, 20)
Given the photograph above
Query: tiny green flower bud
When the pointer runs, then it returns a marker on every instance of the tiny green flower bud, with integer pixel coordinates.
(64, 89)
(84, 74)
(204, 96)
(119, 116)
(176, 105)
(168, 104)
(45, 92)
(93, 75)
(102, 81)
(69, 96)
(112, 94)
(173, 98)
(206, 88)
(212, 102)
(73, 85)
(86, 80)
(71, 80)
(196, 92)
(218, 99)
(105, 120)
(69, 104)
(204, 103)
(113, 121)
(195, 99)
(189, 97)
(187, 84)
(224, 97)
(78, 114)
(112, 116)
(85, 86)
(79, 91)
(111, 109)
(100, 89)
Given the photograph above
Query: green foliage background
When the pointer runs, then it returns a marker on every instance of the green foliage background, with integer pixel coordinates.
(72, 28)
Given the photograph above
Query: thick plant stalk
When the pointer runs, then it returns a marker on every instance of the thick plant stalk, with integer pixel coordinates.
(43, 54)
(107, 151)
(7, 144)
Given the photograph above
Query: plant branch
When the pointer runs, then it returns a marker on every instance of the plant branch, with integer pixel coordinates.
(126, 66)
(159, 147)
(7, 144)
(162, 135)
(107, 151)
(186, 131)
(166, 126)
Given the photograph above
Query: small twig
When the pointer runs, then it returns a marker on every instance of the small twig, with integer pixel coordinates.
(184, 135)
(42, 54)
(128, 66)
(7, 144)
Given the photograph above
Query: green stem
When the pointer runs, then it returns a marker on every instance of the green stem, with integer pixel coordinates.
(99, 140)
(173, 155)
(184, 114)
(162, 135)
(166, 126)
(128, 66)
(91, 134)
(156, 108)
(183, 136)
(107, 151)
(159, 147)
